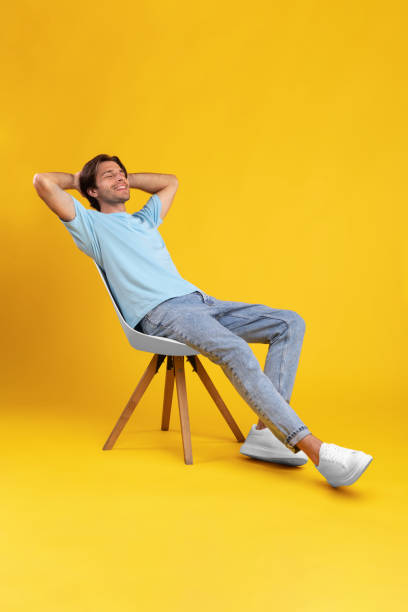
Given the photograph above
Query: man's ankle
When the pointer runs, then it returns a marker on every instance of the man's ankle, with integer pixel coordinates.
(311, 446)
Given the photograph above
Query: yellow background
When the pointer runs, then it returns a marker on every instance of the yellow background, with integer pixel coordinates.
(285, 123)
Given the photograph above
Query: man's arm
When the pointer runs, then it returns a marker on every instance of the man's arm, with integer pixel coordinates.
(164, 185)
(50, 187)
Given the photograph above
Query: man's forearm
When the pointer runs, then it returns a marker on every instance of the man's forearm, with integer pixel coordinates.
(65, 180)
(146, 181)
(150, 181)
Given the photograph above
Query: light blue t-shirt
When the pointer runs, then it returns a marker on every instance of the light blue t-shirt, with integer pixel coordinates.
(132, 253)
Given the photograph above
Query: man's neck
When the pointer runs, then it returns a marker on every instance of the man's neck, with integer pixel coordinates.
(112, 208)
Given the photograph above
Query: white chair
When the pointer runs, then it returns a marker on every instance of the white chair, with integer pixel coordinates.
(175, 352)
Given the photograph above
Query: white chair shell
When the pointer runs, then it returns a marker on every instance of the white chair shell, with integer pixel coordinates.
(144, 342)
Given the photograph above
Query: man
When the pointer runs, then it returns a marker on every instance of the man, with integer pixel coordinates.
(155, 299)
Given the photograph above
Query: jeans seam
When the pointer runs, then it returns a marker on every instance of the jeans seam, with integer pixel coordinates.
(261, 316)
(287, 331)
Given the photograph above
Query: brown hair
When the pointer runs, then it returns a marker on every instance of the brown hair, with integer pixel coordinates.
(87, 177)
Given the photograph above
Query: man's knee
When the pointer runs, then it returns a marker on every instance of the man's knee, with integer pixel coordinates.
(294, 320)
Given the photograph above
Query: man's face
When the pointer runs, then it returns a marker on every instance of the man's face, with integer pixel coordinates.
(112, 185)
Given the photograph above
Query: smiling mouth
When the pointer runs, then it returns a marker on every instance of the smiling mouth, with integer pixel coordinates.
(120, 188)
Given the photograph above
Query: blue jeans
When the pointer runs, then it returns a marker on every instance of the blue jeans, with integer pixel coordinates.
(221, 330)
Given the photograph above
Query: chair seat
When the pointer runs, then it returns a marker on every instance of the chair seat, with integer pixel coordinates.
(144, 342)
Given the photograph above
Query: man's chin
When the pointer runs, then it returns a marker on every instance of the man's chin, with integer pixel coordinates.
(123, 197)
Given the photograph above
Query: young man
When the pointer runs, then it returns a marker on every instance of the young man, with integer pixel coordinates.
(155, 299)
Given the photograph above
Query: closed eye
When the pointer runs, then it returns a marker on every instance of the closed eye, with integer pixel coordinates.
(110, 174)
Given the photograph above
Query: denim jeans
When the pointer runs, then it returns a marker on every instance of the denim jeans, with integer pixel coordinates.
(221, 330)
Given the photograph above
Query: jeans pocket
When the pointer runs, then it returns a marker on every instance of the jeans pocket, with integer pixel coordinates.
(201, 294)
(206, 299)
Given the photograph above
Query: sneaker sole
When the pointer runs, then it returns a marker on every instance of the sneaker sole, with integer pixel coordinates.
(264, 455)
(362, 465)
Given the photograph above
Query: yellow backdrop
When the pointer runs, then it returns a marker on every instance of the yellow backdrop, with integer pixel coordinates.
(285, 123)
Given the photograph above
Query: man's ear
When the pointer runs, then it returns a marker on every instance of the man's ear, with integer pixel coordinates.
(92, 192)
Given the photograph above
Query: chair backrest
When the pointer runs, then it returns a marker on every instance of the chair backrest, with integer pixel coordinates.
(144, 342)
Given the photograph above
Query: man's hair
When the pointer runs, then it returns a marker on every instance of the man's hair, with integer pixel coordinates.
(87, 177)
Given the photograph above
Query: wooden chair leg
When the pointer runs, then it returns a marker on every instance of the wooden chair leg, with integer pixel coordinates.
(132, 403)
(183, 407)
(174, 373)
(168, 393)
(209, 385)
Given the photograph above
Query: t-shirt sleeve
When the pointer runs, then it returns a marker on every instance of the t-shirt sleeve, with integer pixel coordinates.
(151, 211)
(81, 228)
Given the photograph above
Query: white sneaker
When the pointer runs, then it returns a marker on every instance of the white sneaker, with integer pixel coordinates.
(263, 444)
(341, 466)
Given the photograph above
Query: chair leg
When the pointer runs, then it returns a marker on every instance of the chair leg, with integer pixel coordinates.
(174, 373)
(132, 403)
(183, 407)
(209, 385)
(168, 393)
